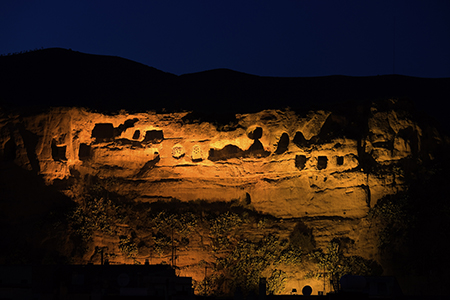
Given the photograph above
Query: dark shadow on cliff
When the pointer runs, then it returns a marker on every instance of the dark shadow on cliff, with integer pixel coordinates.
(413, 227)
(28, 212)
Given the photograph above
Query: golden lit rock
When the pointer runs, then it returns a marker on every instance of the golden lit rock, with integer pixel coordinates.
(276, 157)
(318, 167)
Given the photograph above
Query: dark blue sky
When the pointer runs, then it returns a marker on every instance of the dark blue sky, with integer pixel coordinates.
(269, 38)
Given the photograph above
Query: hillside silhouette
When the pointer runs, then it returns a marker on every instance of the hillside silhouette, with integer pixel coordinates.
(61, 77)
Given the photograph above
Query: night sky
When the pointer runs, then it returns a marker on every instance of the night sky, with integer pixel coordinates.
(268, 38)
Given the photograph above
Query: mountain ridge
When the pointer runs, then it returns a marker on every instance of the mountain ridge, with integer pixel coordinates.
(60, 77)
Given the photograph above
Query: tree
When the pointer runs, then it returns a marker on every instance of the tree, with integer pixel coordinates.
(333, 264)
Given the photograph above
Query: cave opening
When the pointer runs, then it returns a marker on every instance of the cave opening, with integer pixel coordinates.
(283, 144)
(103, 132)
(153, 136)
(299, 140)
(84, 151)
(227, 152)
(256, 150)
(340, 160)
(322, 162)
(136, 134)
(300, 161)
(122, 127)
(58, 152)
(248, 199)
(255, 134)
(256, 146)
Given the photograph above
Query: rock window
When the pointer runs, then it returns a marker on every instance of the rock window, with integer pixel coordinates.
(300, 161)
(103, 132)
(255, 133)
(340, 160)
(300, 140)
(283, 143)
(322, 162)
(136, 135)
(153, 136)
(84, 152)
(248, 199)
(58, 152)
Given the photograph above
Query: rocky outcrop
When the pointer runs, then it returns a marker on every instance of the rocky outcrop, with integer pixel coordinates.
(285, 164)
(323, 169)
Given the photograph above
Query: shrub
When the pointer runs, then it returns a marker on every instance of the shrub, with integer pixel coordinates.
(332, 263)
(127, 246)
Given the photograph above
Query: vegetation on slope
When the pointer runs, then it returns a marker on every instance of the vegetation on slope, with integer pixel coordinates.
(240, 245)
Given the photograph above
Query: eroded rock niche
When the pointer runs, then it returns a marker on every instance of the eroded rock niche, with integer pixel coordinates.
(322, 162)
(136, 134)
(153, 136)
(84, 152)
(300, 161)
(256, 149)
(103, 132)
(58, 151)
(283, 144)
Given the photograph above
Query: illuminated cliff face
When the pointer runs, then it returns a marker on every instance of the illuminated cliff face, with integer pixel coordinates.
(322, 167)
(284, 164)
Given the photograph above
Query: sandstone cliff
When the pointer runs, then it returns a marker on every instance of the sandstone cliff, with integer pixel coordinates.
(285, 164)
(323, 167)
